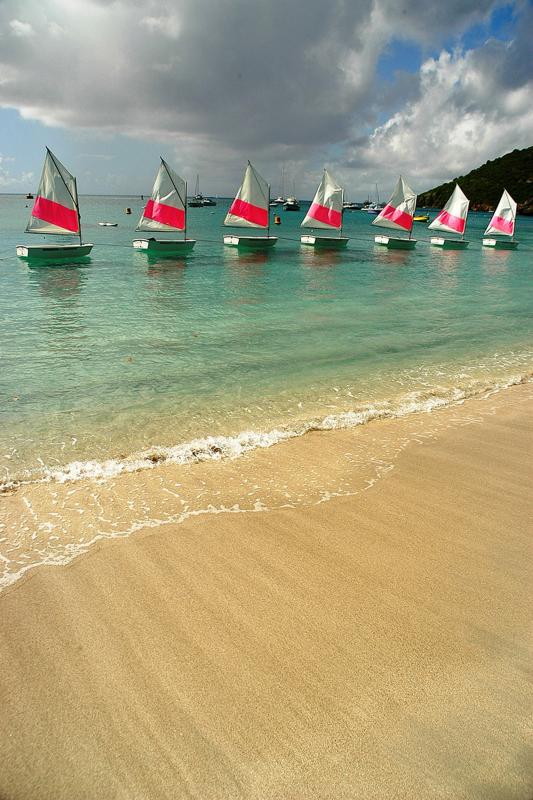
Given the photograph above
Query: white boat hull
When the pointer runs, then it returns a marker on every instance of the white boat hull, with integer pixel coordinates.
(500, 244)
(162, 247)
(449, 244)
(325, 242)
(51, 253)
(251, 242)
(395, 243)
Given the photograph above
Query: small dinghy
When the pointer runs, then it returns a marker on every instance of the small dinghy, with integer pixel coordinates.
(502, 224)
(398, 214)
(325, 212)
(55, 212)
(165, 212)
(250, 210)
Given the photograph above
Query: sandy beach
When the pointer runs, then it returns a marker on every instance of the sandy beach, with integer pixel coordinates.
(371, 641)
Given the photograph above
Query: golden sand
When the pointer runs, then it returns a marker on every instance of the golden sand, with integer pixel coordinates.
(372, 645)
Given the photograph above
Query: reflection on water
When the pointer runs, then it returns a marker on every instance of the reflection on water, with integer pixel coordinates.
(58, 282)
(383, 255)
(495, 261)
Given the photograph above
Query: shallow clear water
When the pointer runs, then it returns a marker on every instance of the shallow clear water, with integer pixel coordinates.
(124, 355)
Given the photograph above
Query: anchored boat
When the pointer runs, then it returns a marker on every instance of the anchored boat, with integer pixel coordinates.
(55, 212)
(250, 210)
(502, 224)
(165, 211)
(325, 212)
(452, 219)
(398, 214)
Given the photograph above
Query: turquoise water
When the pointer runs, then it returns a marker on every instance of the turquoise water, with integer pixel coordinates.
(121, 358)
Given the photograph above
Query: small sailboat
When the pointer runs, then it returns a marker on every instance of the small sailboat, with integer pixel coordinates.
(250, 210)
(452, 219)
(55, 212)
(325, 212)
(398, 214)
(165, 211)
(502, 224)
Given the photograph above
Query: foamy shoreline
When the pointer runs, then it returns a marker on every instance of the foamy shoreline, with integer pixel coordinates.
(52, 522)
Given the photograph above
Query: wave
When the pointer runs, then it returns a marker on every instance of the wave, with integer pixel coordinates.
(216, 448)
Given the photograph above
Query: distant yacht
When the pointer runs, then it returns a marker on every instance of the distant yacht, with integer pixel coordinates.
(352, 206)
(291, 204)
(375, 207)
(198, 200)
(29, 196)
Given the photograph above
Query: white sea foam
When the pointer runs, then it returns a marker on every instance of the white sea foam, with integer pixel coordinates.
(216, 448)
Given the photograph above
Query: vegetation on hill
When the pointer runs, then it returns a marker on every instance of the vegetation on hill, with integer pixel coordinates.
(485, 184)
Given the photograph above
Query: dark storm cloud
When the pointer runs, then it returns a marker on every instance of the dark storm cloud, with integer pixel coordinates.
(286, 80)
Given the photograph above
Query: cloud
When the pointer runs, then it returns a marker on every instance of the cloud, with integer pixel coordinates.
(19, 28)
(471, 106)
(218, 82)
(8, 180)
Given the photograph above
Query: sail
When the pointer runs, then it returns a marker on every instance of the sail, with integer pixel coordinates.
(165, 211)
(453, 216)
(55, 209)
(503, 219)
(326, 209)
(399, 211)
(250, 207)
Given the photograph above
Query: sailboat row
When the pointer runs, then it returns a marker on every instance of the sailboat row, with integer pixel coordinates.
(56, 211)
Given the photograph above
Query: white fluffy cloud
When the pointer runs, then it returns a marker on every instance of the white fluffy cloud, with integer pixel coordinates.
(471, 106)
(218, 82)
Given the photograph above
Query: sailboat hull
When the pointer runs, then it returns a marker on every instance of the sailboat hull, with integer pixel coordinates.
(395, 243)
(251, 242)
(449, 244)
(325, 242)
(162, 247)
(52, 253)
(500, 244)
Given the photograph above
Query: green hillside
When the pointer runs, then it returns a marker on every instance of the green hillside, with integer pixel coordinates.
(485, 184)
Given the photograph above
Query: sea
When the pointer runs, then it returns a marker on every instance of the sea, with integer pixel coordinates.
(127, 362)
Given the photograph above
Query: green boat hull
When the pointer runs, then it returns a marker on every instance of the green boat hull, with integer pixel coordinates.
(395, 243)
(500, 244)
(251, 242)
(53, 253)
(449, 244)
(164, 247)
(325, 242)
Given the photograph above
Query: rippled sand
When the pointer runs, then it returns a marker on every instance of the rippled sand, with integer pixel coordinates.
(361, 632)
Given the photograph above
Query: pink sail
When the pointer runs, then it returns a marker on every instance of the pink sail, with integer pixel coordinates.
(250, 207)
(165, 211)
(399, 212)
(503, 219)
(326, 209)
(453, 216)
(56, 204)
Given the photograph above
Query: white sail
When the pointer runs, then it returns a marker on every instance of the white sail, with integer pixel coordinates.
(326, 209)
(399, 211)
(503, 219)
(250, 207)
(165, 211)
(55, 209)
(453, 216)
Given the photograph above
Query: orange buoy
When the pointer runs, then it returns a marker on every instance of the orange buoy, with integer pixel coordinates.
(277, 220)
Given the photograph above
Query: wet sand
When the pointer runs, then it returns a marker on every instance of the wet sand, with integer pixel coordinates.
(376, 645)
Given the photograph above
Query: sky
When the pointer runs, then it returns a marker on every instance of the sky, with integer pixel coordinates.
(367, 88)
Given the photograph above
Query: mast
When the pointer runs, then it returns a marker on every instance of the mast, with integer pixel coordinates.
(78, 210)
(185, 213)
(268, 212)
(342, 213)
